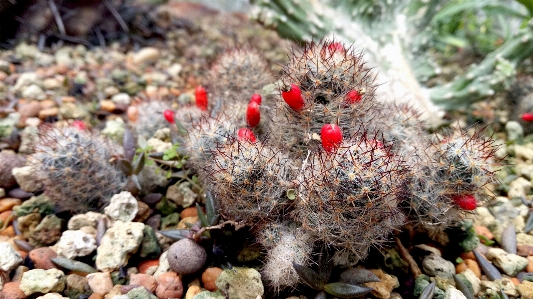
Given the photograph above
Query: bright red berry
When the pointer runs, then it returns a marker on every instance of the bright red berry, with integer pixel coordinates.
(169, 116)
(466, 202)
(245, 134)
(256, 98)
(336, 47)
(331, 136)
(253, 115)
(79, 124)
(353, 96)
(201, 98)
(292, 95)
(527, 117)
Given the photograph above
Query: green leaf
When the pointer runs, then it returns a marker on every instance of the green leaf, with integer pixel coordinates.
(291, 194)
(201, 216)
(459, 260)
(344, 290)
(125, 166)
(211, 208)
(485, 240)
(138, 164)
(309, 277)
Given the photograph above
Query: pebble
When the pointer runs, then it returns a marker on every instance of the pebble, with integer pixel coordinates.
(119, 242)
(8, 161)
(484, 231)
(139, 292)
(164, 265)
(189, 212)
(9, 257)
(41, 258)
(121, 98)
(525, 289)
(8, 203)
(11, 290)
(186, 256)
(107, 105)
(52, 296)
(187, 220)
(148, 266)
(132, 113)
(42, 281)
(48, 112)
(509, 263)
(518, 188)
(383, 288)
(79, 221)
(434, 265)
(169, 285)
(209, 276)
(146, 55)
(100, 282)
(77, 285)
(473, 279)
(33, 92)
(123, 207)
(244, 283)
(529, 267)
(181, 194)
(30, 109)
(75, 243)
(145, 280)
(192, 291)
(25, 177)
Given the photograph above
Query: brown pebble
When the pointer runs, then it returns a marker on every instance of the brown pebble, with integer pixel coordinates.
(5, 216)
(8, 203)
(11, 290)
(107, 105)
(191, 220)
(48, 112)
(529, 267)
(30, 109)
(96, 296)
(515, 281)
(467, 255)
(41, 258)
(68, 99)
(128, 288)
(169, 286)
(144, 280)
(209, 277)
(460, 268)
(189, 212)
(47, 104)
(192, 291)
(3, 76)
(524, 250)
(145, 265)
(484, 231)
(133, 113)
(473, 265)
(8, 232)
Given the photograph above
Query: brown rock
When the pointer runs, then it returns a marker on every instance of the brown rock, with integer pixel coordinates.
(143, 212)
(100, 282)
(8, 232)
(169, 286)
(41, 258)
(467, 255)
(189, 212)
(144, 280)
(132, 113)
(30, 109)
(11, 290)
(515, 281)
(8, 203)
(524, 250)
(96, 296)
(383, 288)
(8, 161)
(209, 277)
(529, 267)
(525, 289)
(145, 266)
(48, 112)
(107, 105)
(484, 231)
(473, 265)
(191, 220)
(45, 104)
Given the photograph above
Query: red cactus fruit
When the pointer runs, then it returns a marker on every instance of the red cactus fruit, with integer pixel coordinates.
(253, 115)
(79, 124)
(256, 98)
(353, 96)
(331, 136)
(527, 117)
(201, 98)
(292, 95)
(466, 202)
(245, 134)
(169, 116)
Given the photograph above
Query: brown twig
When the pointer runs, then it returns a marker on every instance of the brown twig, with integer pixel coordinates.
(406, 256)
(236, 224)
(57, 17)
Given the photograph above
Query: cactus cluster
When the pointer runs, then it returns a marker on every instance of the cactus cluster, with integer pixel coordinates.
(76, 169)
(329, 162)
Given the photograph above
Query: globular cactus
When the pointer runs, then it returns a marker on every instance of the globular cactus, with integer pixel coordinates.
(237, 74)
(334, 86)
(76, 168)
(251, 178)
(349, 198)
(150, 118)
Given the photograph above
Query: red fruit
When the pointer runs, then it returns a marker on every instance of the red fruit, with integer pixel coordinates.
(253, 115)
(169, 116)
(466, 202)
(527, 117)
(245, 134)
(336, 47)
(79, 124)
(353, 96)
(201, 98)
(256, 98)
(331, 136)
(293, 96)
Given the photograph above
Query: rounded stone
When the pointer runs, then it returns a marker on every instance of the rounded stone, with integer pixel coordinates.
(186, 257)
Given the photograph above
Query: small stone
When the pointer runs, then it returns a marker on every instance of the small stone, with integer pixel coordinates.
(42, 281)
(9, 257)
(132, 113)
(119, 242)
(123, 207)
(121, 98)
(209, 277)
(169, 285)
(529, 267)
(145, 280)
(434, 265)
(48, 112)
(33, 92)
(79, 221)
(52, 296)
(148, 266)
(30, 109)
(192, 291)
(75, 243)
(514, 130)
(509, 263)
(143, 212)
(77, 285)
(100, 282)
(150, 245)
(114, 129)
(47, 232)
(11, 290)
(508, 287)
(146, 56)
(453, 293)
(160, 146)
(525, 289)
(244, 283)
(107, 105)
(188, 220)
(473, 279)
(41, 258)
(9, 203)
(140, 293)
(383, 288)
(189, 212)
(8, 161)
(523, 239)
(518, 188)
(163, 264)
(181, 194)
(26, 179)
(484, 231)
(186, 256)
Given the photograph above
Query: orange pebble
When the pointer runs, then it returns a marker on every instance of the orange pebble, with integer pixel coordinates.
(145, 265)
(133, 113)
(8, 232)
(473, 265)
(96, 296)
(515, 281)
(529, 267)
(209, 277)
(189, 212)
(467, 255)
(11, 290)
